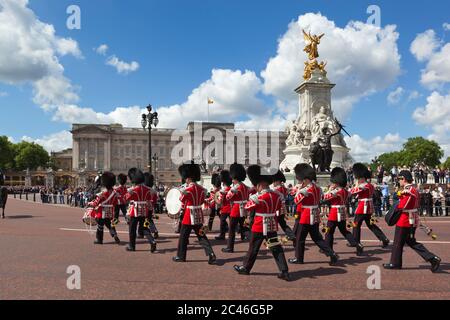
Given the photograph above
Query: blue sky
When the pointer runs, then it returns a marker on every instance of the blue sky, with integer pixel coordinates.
(177, 44)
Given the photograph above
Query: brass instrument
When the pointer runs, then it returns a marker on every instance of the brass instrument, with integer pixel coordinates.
(114, 222)
(325, 229)
(428, 231)
(275, 241)
(146, 223)
(373, 220)
(350, 224)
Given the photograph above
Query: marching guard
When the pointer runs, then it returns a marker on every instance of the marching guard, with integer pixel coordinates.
(264, 204)
(278, 185)
(337, 197)
(225, 206)
(213, 199)
(150, 182)
(140, 199)
(238, 197)
(192, 198)
(121, 191)
(104, 205)
(308, 198)
(405, 229)
(364, 192)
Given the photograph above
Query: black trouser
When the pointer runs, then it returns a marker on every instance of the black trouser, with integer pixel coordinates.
(256, 240)
(123, 208)
(342, 226)
(407, 235)
(212, 215)
(313, 230)
(359, 219)
(185, 232)
(100, 227)
(223, 223)
(132, 231)
(232, 231)
(287, 230)
(151, 227)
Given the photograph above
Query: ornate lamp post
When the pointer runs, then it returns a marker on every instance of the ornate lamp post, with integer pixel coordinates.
(155, 159)
(149, 120)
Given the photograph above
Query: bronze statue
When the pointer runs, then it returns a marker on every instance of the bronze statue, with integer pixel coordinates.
(321, 152)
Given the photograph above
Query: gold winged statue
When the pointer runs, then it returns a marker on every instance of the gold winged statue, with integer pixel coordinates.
(312, 42)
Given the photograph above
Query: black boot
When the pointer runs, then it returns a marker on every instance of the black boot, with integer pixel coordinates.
(212, 258)
(241, 270)
(391, 266)
(295, 261)
(227, 250)
(334, 259)
(359, 249)
(130, 248)
(385, 243)
(116, 239)
(284, 276)
(178, 259)
(156, 235)
(220, 237)
(435, 263)
(153, 247)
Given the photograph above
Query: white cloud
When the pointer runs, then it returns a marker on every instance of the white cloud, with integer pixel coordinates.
(424, 45)
(362, 59)
(3, 94)
(29, 51)
(367, 150)
(446, 26)
(414, 95)
(395, 96)
(102, 49)
(437, 71)
(122, 67)
(53, 142)
(436, 116)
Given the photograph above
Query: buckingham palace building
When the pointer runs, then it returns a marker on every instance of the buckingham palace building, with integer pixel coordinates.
(98, 147)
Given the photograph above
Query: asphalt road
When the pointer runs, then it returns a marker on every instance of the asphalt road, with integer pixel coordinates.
(39, 242)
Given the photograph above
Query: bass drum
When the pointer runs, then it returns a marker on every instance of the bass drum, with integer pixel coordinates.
(173, 203)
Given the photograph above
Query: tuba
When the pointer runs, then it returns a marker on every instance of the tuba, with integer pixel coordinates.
(275, 241)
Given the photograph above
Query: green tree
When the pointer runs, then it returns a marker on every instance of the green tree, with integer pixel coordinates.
(7, 153)
(446, 164)
(30, 156)
(419, 149)
(390, 159)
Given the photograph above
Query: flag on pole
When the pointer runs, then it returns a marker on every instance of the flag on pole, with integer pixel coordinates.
(210, 101)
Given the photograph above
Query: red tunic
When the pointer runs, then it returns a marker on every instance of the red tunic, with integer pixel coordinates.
(192, 198)
(141, 200)
(338, 199)
(238, 196)
(265, 204)
(225, 204)
(283, 191)
(409, 204)
(104, 204)
(364, 191)
(121, 192)
(309, 199)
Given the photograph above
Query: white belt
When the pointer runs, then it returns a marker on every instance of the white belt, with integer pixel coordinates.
(240, 202)
(340, 215)
(194, 207)
(410, 211)
(266, 217)
(139, 202)
(310, 207)
(338, 206)
(412, 216)
(366, 200)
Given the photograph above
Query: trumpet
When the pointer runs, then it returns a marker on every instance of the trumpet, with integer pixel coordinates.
(275, 241)
(114, 222)
(350, 225)
(203, 231)
(325, 229)
(146, 223)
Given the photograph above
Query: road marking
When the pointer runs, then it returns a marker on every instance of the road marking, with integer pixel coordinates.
(215, 234)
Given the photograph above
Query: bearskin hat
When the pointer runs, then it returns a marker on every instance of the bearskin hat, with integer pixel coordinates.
(407, 175)
(225, 177)
(237, 171)
(190, 170)
(149, 180)
(122, 178)
(136, 176)
(361, 171)
(256, 175)
(339, 176)
(305, 171)
(215, 180)
(108, 180)
(279, 176)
